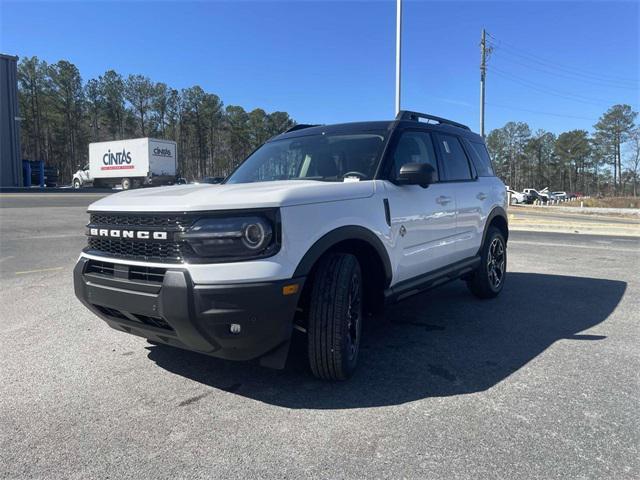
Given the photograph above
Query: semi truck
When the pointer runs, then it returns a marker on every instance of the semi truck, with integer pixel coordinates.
(130, 163)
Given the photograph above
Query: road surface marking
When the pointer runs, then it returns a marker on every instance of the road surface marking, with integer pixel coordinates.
(53, 269)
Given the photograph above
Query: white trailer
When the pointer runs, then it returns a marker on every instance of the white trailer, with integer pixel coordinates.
(130, 163)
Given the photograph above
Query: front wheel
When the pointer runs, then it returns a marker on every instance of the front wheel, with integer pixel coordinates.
(335, 317)
(76, 184)
(488, 279)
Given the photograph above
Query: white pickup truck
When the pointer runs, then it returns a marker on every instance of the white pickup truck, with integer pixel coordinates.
(129, 163)
(318, 226)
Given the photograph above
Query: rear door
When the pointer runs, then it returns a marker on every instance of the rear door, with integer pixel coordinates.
(461, 177)
(423, 220)
(162, 158)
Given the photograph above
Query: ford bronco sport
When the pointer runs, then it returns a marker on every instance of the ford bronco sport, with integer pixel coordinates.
(316, 227)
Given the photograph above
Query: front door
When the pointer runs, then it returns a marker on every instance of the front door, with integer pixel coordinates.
(84, 174)
(423, 220)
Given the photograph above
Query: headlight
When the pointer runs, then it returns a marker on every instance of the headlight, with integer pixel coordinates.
(241, 237)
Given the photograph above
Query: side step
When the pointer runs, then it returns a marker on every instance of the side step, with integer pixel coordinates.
(430, 280)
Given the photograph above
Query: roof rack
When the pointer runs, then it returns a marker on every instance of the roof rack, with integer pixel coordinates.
(300, 126)
(407, 115)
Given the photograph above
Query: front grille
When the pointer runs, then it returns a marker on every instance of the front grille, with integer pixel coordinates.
(132, 272)
(165, 222)
(142, 250)
(159, 251)
(147, 274)
(101, 268)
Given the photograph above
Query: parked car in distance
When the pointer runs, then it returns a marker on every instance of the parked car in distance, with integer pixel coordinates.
(560, 195)
(535, 195)
(546, 193)
(517, 197)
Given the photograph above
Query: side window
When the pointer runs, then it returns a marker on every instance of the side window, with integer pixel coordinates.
(481, 159)
(456, 165)
(413, 147)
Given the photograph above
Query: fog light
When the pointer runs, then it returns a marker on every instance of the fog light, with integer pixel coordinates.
(235, 328)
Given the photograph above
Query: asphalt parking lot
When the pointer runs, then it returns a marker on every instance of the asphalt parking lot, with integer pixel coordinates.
(543, 382)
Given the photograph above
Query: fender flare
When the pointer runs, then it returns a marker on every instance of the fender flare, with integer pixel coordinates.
(496, 212)
(340, 234)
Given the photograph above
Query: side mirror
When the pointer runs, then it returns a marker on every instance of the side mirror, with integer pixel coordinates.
(421, 174)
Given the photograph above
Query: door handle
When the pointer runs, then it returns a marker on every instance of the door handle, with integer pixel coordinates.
(442, 200)
(481, 196)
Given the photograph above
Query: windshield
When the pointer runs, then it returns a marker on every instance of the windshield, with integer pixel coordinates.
(324, 157)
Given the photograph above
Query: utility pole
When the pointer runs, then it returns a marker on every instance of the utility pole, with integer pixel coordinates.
(483, 73)
(398, 51)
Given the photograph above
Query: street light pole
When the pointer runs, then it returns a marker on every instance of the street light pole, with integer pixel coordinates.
(483, 72)
(398, 51)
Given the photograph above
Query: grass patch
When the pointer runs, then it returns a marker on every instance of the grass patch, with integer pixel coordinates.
(607, 202)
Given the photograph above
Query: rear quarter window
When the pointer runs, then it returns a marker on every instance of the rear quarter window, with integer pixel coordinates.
(480, 158)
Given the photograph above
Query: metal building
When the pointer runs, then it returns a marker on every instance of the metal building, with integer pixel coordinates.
(10, 164)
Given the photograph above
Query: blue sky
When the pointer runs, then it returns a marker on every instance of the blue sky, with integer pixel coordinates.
(557, 65)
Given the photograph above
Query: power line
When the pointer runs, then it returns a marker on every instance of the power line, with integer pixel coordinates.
(550, 91)
(558, 70)
(557, 65)
(559, 73)
(553, 114)
(569, 70)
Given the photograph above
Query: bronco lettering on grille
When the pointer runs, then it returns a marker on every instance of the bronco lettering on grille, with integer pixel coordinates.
(135, 234)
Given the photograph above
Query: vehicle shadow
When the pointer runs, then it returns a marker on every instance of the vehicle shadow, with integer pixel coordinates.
(444, 342)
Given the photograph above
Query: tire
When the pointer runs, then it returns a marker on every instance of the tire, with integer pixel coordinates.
(488, 279)
(126, 183)
(76, 184)
(335, 317)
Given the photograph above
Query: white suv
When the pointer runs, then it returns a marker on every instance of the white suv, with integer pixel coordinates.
(318, 226)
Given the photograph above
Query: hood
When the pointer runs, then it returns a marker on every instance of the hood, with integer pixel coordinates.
(183, 198)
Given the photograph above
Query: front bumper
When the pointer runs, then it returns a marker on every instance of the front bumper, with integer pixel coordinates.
(165, 306)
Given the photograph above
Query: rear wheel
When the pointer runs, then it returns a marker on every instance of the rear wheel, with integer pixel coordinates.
(488, 279)
(335, 317)
(76, 184)
(126, 183)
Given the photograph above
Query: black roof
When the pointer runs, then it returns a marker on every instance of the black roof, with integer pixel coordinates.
(404, 119)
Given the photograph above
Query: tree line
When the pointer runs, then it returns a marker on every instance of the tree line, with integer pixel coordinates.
(603, 162)
(62, 114)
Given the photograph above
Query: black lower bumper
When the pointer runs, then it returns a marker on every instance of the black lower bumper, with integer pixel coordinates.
(165, 306)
